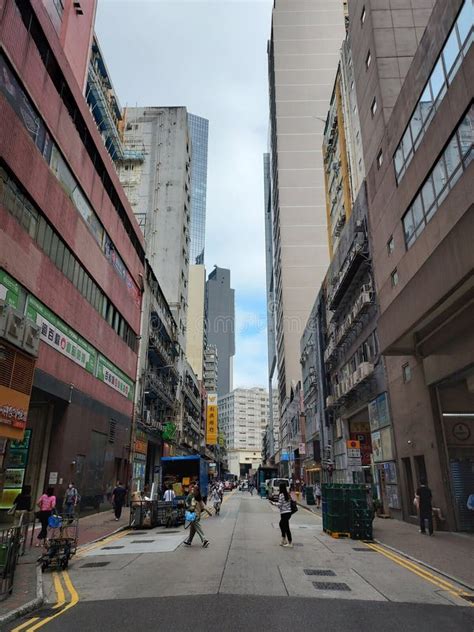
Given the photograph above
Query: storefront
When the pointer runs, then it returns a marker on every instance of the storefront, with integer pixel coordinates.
(383, 454)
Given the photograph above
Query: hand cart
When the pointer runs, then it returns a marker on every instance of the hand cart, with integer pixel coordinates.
(60, 543)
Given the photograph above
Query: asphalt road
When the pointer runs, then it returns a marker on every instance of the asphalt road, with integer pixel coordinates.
(245, 580)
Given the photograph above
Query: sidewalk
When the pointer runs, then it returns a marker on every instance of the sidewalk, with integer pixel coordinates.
(451, 553)
(93, 527)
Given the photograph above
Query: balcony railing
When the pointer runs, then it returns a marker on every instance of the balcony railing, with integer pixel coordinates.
(342, 280)
(162, 388)
(360, 375)
(362, 302)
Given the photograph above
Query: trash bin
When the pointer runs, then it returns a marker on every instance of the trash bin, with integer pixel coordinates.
(310, 496)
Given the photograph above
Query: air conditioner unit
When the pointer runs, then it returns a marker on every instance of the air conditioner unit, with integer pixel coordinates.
(366, 368)
(14, 327)
(31, 338)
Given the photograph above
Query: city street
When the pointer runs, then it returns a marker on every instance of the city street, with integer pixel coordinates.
(149, 580)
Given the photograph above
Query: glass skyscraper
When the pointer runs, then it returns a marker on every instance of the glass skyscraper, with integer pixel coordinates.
(199, 132)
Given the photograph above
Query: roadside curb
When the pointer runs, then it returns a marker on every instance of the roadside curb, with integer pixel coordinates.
(28, 607)
(36, 603)
(426, 565)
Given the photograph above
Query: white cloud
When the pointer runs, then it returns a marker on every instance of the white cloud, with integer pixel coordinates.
(210, 57)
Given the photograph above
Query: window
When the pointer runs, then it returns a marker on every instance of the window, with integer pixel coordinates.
(379, 159)
(390, 245)
(454, 50)
(368, 59)
(363, 15)
(406, 373)
(394, 277)
(444, 175)
(373, 107)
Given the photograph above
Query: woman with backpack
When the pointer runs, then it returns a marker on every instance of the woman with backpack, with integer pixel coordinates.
(286, 510)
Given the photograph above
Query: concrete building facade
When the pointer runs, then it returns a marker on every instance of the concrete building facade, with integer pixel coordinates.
(243, 418)
(211, 368)
(303, 54)
(421, 214)
(159, 190)
(71, 263)
(195, 331)
(220, 313)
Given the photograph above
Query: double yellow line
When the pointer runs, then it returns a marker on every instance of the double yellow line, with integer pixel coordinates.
(420, 571)
(66, 598)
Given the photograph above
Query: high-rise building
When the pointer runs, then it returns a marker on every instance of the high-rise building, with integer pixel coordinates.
(220, 303)
(199, 133)
(195, 333)
(159, 189)
(271, 443)
(420, 177)
(243, 417)
(71, 264)
(303, 55)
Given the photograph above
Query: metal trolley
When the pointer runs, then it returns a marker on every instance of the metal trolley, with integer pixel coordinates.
(152, 513)
(61, 542)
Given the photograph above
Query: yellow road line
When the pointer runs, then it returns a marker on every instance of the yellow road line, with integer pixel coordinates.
(24, 625)
(58, 587)
(107, 540)
(417, 570)
(74, 601)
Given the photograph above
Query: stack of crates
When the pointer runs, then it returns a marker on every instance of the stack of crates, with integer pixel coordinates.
(345, 511)
(361, 520)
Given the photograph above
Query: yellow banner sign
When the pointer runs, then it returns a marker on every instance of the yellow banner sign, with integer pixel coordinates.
(211, 425)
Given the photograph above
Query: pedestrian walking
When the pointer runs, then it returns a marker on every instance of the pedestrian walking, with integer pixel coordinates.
(169, 495)
(303, 490)
(284, 505)
(216, 500)
(118, 499)
(71, 498)
(22, 505)
(317, 494)
(425, 507)
(195, 505)
(46, 504)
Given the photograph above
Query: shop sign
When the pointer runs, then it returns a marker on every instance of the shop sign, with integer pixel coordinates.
(169, 433)
(390, 470)
(377, 447)
(113, 377)
(302, 448)
(13, 412)
(211, 421)
(379, 416)
(9, 290)
(387, 444)
(352, 444)
(16, 461)
(141, 447)
(56, 334)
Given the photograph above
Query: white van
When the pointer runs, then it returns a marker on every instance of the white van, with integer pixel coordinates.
(274, 487)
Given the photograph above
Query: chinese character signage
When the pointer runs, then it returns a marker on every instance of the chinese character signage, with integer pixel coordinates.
(211, 419)
(9, 290)
(58, 335)
(13, 412)
(113, 377)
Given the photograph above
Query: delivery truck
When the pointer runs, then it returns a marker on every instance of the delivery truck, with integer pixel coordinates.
(183, 471)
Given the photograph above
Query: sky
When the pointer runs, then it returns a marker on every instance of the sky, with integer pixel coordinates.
(210, 57)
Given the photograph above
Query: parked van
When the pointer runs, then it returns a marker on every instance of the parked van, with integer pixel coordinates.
(274, 487)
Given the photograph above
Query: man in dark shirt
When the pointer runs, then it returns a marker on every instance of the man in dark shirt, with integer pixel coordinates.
(118, 499)
(424, 506)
